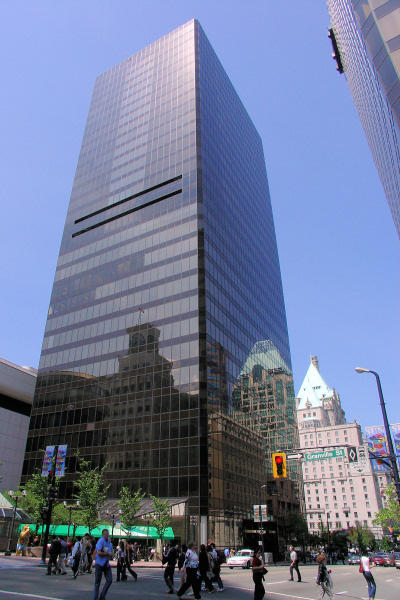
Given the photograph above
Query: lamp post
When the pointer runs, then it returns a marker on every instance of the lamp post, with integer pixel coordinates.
(392, 455)
(15, 496)
(70, 507)
(261, 522)
(52, 495)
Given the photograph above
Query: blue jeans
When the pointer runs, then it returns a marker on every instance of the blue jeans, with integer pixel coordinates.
(371, 584)
(106, 569)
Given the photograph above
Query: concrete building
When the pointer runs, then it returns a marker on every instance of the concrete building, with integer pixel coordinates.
(17, 387)
(340, 486)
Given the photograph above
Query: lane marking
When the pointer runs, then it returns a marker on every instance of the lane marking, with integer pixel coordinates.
(29, 595)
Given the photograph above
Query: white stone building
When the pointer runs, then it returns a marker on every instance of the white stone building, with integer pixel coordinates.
(338, 493)
(17, 387)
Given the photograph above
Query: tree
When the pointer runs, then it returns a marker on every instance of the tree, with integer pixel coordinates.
(296, 528)
(91, 492)
(389, 516)
(129, 504)
(162, 515)
(36, 488)
(362, 537)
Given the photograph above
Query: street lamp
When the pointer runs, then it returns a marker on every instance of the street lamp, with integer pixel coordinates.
(392, 455)
(261, 523)
(52, 490)
(70, 507)
(14, 495)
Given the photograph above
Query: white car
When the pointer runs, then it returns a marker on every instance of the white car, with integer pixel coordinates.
(242, 558)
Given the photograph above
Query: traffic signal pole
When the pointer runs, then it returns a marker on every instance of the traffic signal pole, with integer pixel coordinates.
(52, 493)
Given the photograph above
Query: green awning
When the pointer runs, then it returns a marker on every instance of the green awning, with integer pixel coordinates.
(139, 532)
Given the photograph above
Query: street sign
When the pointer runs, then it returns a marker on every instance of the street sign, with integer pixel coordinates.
(324, 454)
(358, 459)
(256, 513)
(294, 456)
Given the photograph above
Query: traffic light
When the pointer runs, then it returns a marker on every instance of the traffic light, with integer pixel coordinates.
(279, 465)
(44, 513)
(53, 494)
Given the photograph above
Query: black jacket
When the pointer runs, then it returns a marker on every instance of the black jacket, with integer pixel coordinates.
(204, 563)
(322, 573)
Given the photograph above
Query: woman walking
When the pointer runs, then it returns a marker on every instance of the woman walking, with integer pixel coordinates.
(365, 569)
(323, 577)
(258, 576)
(191, 565)
(205, 568)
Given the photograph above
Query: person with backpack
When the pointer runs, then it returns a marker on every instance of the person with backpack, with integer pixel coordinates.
(323, 577)
(170, 558)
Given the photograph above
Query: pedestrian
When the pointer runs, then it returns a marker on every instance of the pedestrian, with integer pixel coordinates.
(294, 564)
(226, 554)
(258, 575)
(365, 569)
(62, 556)
(76, 556)
(104, 552)
(191, 565)
(170, 558)
(121, 564)
(205, 569)
(217, 568)
(55, 549)
(323, 577)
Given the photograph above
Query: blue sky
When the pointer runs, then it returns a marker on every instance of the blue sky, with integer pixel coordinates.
(338, 247)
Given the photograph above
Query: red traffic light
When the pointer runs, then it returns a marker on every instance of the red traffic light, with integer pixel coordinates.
(278, 460)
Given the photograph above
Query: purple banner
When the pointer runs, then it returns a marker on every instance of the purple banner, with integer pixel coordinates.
(47, 460)
(377, 443)
(60, 461)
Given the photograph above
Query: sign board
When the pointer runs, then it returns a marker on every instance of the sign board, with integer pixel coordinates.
(324, 454)
(256, 513)
(47, 460)
(60, 460)
(358, 459)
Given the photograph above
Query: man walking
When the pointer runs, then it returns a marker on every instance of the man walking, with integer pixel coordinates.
(170, 558)
(55, 549)
(294, 564)
(104, 552)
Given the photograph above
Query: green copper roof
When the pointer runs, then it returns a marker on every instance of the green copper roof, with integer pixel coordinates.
(267, 355)
(313, 389)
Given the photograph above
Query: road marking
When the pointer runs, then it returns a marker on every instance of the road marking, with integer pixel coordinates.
(345, 592)
(389, 580)
(28, 595)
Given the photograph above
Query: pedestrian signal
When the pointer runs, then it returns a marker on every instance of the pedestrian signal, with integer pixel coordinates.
(279, 465)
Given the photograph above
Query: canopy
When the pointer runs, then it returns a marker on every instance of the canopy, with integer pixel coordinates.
(139, 532)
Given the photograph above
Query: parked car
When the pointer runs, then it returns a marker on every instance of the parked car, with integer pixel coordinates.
(389, 559)
(397, 561)
(353, 559)
(379, 559)
(242, 558)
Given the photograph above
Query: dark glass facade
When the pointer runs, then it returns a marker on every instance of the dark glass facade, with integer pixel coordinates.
(367, 33)
(167, 276)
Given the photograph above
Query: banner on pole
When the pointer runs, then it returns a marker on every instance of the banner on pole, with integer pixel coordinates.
(47, 460)
(60, 460)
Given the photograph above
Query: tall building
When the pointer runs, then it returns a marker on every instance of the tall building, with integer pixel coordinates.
(366, 41)
(17, 386)
(167, 276)
(340, 485)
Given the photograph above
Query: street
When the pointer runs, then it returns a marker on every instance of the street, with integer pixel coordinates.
(21, 578)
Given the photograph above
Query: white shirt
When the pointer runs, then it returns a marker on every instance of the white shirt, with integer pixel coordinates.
(365, 563)
(293, 556)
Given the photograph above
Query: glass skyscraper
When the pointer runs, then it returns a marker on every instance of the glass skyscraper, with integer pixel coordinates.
(366, 38)
(168, 275)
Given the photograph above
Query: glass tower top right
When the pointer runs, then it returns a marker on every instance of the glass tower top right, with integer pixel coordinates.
(366, 39)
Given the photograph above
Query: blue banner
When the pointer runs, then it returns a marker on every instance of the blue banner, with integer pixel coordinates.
(47, 460)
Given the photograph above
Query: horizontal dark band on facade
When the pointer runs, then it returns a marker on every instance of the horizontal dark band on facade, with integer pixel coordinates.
(128, 212)
(132, 197)
(15, 406)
